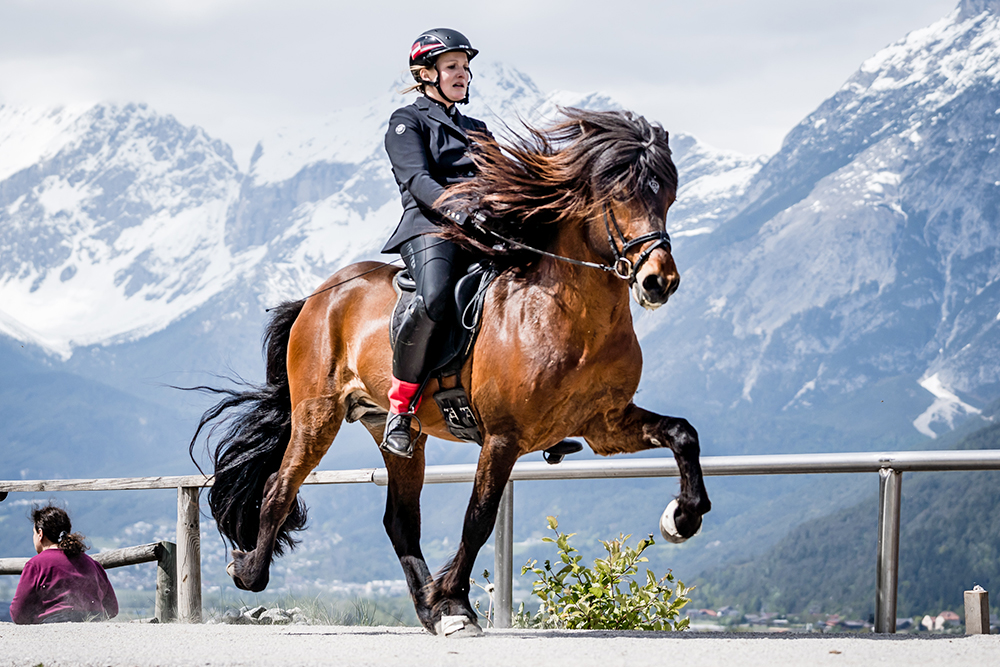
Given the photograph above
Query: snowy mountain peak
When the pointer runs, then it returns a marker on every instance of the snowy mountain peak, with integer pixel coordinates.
(108, 231)
(970, 8)
(116, 221)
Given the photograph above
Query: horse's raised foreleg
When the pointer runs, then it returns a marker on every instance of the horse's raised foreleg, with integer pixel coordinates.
(634, 429)
(452, 610)
(315, 423)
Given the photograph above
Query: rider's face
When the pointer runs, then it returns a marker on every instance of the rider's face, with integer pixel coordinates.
(453, 70)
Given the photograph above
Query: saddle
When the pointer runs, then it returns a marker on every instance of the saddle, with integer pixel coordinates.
(450, 350)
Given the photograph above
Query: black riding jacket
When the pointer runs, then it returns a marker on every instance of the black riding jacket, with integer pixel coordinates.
(428, 149)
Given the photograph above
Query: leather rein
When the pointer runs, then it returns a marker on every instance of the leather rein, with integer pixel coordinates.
(622, 266)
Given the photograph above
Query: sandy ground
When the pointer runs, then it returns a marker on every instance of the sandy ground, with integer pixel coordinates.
(124, 644)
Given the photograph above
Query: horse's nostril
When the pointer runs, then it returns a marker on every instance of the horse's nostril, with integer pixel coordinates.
(654, 284)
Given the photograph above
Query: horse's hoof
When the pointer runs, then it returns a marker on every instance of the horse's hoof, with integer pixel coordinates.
(668, 526)
(457, 627)
(231, 571)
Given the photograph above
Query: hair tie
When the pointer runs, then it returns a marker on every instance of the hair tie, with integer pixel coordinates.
(62, 536)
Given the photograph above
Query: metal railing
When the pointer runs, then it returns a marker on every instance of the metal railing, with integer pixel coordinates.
(888, 465)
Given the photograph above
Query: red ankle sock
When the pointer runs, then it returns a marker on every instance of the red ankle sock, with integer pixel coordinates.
(400, 395)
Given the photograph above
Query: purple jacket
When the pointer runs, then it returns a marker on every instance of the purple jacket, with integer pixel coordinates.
(52, 583)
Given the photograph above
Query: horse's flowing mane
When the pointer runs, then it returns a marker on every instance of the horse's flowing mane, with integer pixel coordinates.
(559, 174)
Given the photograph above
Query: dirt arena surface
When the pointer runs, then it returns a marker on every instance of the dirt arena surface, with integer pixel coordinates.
(125, 644)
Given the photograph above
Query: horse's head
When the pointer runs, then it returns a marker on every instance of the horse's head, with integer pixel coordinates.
(605, 177)
(636, 237)
(632, 183)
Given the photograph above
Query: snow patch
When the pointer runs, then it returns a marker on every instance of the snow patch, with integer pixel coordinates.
(945, 408)
(28, 135)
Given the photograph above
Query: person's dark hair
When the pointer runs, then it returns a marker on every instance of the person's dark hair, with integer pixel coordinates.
(55, 526)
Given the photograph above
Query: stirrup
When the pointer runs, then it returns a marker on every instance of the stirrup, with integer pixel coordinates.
(394, 446)
(557, 452)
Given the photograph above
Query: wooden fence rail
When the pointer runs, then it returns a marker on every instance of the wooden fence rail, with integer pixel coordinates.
(164, 553)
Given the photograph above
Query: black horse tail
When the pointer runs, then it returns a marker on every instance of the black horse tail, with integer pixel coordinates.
(257, 423)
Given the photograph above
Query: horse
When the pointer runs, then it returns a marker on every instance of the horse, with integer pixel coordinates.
(575, 217)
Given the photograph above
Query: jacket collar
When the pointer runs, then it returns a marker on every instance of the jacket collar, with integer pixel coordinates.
(437, 111)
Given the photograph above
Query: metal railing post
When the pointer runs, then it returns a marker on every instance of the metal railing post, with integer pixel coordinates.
(503, 563)
(887, 566)
(188, 556)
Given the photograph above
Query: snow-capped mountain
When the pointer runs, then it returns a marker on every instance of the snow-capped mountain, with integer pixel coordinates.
(116, 221)
(864, 252)
(842, 294)
(111, 221)
(868, 247)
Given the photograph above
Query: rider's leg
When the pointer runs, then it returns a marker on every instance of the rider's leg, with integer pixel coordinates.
(434, 265)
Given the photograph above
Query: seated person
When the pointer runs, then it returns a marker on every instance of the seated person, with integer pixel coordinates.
(61, 583)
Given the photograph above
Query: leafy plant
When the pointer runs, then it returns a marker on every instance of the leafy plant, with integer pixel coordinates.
(605, 597)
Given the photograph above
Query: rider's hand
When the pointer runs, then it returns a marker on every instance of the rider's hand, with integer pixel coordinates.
(465, 220)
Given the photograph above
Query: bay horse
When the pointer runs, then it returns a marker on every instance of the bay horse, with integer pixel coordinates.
(575, 215)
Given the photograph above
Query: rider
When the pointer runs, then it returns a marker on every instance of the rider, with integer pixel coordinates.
(428, 146)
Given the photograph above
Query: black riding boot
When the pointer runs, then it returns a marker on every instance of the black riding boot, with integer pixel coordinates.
(434, 265)
(408, 361)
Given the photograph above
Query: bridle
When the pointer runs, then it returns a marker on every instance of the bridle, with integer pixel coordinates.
(622, 266)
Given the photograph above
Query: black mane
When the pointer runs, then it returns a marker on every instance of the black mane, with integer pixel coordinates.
(563, 174)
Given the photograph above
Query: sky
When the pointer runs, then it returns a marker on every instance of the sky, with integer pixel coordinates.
(736, 74)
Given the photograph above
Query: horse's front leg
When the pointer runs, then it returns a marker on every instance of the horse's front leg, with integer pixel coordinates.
(402, 519)
(315, 423)
(453, 612)
(634, 429)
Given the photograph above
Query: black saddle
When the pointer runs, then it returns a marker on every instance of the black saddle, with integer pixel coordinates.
(450, 349)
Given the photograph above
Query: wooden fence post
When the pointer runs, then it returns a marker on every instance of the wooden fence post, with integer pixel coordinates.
(188, 556)
(977, 612)
(166, 583)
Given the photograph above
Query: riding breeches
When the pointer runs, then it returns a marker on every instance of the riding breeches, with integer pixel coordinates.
(435, 265)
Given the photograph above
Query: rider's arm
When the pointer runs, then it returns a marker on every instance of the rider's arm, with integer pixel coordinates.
(405, 145)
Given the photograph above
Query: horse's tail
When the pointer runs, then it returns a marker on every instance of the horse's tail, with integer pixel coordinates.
(257, 422)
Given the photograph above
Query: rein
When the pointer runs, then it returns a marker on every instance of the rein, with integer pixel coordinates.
(622, 267)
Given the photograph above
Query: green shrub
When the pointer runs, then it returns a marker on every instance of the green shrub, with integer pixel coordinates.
(605, 597)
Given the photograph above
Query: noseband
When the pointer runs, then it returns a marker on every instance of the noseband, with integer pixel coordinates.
(621, 267)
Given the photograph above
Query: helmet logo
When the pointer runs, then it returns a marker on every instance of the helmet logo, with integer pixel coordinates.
(420, 48)
(400, 128)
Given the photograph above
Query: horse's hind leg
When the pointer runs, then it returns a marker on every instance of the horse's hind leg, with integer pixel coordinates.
(634, 429)
(315, 423)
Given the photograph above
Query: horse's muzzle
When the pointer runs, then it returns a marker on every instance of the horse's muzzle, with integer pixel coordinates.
(653, 290)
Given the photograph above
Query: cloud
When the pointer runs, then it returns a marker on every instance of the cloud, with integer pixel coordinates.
(736, 74)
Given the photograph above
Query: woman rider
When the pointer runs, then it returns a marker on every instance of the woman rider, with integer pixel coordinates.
(428, 146)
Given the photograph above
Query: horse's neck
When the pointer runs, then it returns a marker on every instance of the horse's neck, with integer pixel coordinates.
(600, 296)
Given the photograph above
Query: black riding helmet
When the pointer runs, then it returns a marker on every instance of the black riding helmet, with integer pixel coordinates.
(431, 44)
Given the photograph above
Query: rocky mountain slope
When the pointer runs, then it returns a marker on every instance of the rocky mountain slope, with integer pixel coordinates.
(866, 251)
(839, 295)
